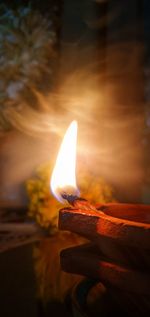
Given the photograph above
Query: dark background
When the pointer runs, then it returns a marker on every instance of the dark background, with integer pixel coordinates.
(126, 100)
(121, 42)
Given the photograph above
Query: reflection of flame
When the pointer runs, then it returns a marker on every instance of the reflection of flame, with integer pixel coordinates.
(63, 177)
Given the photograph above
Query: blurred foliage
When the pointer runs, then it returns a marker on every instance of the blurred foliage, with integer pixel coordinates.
(28, 57)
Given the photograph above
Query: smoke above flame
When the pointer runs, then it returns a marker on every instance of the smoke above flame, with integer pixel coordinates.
(108, 112)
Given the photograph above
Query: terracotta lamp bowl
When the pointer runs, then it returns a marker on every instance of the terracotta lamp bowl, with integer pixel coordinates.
(119, 251)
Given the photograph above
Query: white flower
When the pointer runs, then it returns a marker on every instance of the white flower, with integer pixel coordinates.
(14, 88)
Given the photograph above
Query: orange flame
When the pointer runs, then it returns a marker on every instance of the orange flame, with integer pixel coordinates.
(63, 178)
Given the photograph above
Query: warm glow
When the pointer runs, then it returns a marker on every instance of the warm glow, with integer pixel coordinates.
(63, 178)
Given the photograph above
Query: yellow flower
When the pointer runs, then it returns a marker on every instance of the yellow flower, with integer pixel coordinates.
(43, 207)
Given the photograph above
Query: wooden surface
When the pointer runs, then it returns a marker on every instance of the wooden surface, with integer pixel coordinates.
(17, 280)
(16, 229)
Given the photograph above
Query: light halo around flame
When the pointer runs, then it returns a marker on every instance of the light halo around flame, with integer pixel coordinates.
(63, 179)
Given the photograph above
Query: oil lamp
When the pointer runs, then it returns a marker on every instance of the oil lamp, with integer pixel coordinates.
(118, 254)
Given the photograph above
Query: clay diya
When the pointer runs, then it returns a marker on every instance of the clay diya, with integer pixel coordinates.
(118, 251)
(118, 248)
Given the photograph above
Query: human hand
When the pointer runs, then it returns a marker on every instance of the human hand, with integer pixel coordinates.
(119, 240)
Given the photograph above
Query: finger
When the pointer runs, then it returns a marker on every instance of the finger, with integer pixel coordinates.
(79, 221)
(85, 260)
(94, 224)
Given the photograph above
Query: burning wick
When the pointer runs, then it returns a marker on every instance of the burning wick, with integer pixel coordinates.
(70, 198)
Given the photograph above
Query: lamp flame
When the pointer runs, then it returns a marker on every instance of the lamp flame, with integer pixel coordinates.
(63, 180)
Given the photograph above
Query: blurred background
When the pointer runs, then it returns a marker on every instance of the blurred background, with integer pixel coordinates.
(86, 60)
(62, 60)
